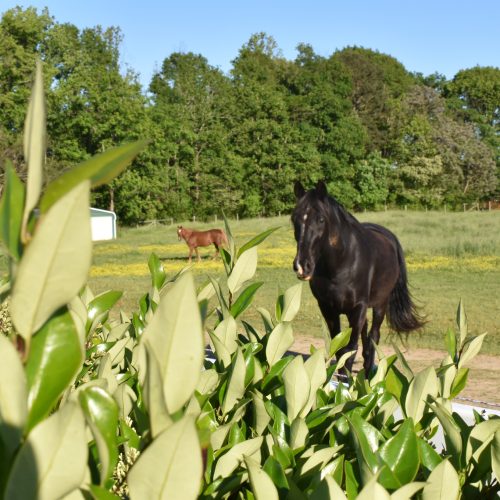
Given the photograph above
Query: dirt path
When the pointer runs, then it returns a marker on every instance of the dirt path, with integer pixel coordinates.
(484, 377)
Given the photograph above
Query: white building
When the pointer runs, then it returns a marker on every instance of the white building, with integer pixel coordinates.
(103, 224)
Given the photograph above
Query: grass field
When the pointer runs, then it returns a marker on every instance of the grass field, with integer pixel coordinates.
(449, 256)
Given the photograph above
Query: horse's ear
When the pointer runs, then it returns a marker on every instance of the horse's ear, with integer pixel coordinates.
(321, 190)
(299, 190)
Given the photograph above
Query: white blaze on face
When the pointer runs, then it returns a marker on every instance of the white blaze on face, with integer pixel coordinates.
(300, 271)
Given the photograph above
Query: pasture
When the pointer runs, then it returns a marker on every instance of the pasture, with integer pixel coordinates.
(449, 256)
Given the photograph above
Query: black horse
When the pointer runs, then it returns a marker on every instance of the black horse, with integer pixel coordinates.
(351, 266)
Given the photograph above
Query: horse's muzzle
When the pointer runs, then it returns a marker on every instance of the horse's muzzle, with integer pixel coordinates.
(303, 273)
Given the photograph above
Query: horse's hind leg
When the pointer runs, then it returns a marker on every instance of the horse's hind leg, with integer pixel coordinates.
(197, 253)
(216, 250)
(371, 338)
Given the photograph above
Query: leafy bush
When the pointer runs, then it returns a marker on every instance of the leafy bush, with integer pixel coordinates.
(103, 406)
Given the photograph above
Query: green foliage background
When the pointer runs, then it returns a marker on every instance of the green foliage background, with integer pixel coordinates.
(358, 119)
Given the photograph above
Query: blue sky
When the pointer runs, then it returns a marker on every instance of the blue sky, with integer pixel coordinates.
(425, 35)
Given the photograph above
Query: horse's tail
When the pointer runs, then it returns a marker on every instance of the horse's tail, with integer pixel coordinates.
(403, 316)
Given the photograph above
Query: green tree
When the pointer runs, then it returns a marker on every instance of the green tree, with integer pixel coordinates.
(372, 180)
(378, 81)
(262, 135)
(439, 158)
(321, 91)
(23, 34)
(474, 95)
(191, 100)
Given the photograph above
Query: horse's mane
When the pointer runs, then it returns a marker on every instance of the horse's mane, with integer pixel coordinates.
(341, 212)
(328, 207)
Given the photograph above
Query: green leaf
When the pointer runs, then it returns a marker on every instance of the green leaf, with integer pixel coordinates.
(451, 344)
(55, 357)
(274, 373)
(404, 366)
(351, 483)
(462, 322)
(400, 453)
(98, 493)
(220, 297)
(459, 382)
(226, 332)
(373, 491)
(221, 352)
(34, 145)
(101, 305)
(407, 491)
(479, 437)
(98, 170)
(101, 412)
(443, 483)
(291, 302)
(297, 387)
(424, 385)
(156, 270)
(11, 212)
(428, 455)
(245, 298)
(262, 485)
(366, 440)
(53, 460)
(339, 341)
(396, 383)
(279, 341)
(230, 460)
(319, 459)
(298, 433)
(260, 416)
(276, 472)
(257, 240)
(236, 386)
(243, 270)
(316, 371)
(171, 466)
(13, 396)
(175, 335)
(232, 247)
(328, 488)
(495, 455)
(153, 392)
(55, 264)
(473, 349)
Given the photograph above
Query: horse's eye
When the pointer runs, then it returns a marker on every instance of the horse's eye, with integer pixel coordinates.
(321, 220)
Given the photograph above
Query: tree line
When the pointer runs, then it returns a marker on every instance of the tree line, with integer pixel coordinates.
(374, 132)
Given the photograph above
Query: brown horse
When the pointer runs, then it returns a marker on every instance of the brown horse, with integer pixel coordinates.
(195, 239)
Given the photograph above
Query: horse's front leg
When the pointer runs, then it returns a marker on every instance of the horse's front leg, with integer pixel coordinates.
(357, 322)
(190, 253)
(372, 338)
(197, 253)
